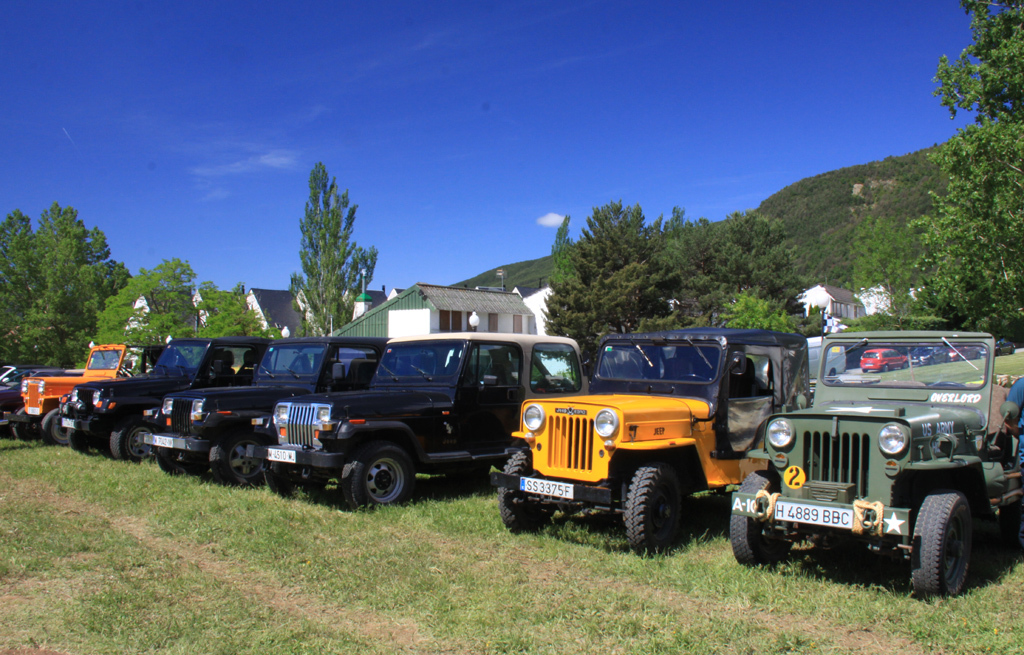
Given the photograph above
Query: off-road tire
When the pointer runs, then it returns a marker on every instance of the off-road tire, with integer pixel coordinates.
(749, 545)
(79, 441)
(51, 430)
(229, 463)
(176, 462)
(24, 431)
(126, 440)
(379, 473)
(1009, 525)
(518, 511)
(652, 509)
(942, 545)
(277, 482)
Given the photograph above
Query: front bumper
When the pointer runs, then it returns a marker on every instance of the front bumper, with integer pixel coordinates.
(862, 519)
(580, 492)
(12, 417)
(298, 456)
(174, 442)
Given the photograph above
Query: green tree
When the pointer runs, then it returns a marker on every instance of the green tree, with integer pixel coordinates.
(53, 283)
(885, 267)
(331, 261)
(694, 249)
(974, 242)
(752, 312)
(155, 304)
(227, 314)
(619, 279)
(561, 252)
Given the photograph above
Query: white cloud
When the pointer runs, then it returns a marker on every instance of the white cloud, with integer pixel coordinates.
(272, 159)
(550, 220)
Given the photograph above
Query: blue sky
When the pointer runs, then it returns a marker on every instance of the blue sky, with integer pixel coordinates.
(189, 129)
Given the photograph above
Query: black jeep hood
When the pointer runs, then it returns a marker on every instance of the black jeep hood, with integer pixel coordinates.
(383, 403)
(237, 398)
(143, 385)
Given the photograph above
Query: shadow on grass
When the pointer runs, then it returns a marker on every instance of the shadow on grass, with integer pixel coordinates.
(429, 488)
(851, 563)
(705, 517)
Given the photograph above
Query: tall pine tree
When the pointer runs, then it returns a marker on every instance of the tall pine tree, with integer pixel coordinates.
(331, 261)
(619, 277)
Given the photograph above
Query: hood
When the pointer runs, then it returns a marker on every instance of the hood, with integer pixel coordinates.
(143, 385)
(238, 398)
(380, 404)
(963, 416)
(635, 407)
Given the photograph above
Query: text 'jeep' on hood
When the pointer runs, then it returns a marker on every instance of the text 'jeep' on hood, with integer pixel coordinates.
(898, 457)
(670, 413)
(109, 414)
(441, 403)
(212, 428)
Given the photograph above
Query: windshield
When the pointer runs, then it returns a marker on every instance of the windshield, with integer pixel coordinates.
(104, 360)
(647, 361)
(181, 358)
(423, 360)
(945, 364)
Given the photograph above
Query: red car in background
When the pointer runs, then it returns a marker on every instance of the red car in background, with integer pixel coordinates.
(882, 360)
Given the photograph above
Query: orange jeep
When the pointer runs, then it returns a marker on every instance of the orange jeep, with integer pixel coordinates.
(41, 413)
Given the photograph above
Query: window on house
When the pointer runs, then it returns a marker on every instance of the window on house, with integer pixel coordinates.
(450, 321)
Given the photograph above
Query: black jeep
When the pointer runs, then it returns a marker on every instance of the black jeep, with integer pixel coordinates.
(202, 428)
(108, 413)
(437, 404)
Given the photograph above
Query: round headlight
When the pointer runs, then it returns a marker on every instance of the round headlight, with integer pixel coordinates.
(533, 417)
(74, 395)
(780, 433)
(168, 406)
(41, 387)
(281, 414)
(892, 439)
(24, 386)
(606, 423)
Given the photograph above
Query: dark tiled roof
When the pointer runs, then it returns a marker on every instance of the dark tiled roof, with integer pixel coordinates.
(277, 308)
(841, 295)
(526, 292)
(468, 300)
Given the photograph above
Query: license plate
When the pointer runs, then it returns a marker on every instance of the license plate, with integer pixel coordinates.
(67, 423)
(546, 488)
(163, 442)
(831, 517)
(34, 411)
(275, 455)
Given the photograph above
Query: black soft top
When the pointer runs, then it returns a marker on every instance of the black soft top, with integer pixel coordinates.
(377, 342)
(722, 335)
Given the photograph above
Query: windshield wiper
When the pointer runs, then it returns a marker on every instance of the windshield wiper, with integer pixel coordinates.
(265, 370)
(642, 353)
(689, 340)
(394, 378)
(945, 341)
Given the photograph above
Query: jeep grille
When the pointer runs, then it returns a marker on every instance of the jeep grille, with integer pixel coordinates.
(181, 416)
(33, 393)
(571, 443)
(845, 459)
(300, 428)
(85, 397)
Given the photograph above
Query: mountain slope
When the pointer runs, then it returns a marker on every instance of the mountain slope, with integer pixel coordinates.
(820, 213)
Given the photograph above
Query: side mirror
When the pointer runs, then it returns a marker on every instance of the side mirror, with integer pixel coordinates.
(738, 362)
(338, 371)
(801, 401)
(218, 367)
(1010, 411)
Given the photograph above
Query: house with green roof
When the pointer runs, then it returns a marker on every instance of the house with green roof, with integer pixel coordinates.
(430, 309)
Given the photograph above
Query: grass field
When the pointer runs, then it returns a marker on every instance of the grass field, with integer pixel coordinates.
(101, 556)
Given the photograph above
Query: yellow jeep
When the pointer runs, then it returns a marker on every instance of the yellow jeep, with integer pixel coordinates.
(41, 413)
(670, 413)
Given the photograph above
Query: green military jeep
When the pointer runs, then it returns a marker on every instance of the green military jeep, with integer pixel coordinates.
(901, 451)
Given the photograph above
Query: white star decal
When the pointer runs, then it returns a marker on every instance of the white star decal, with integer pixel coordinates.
(894, 524)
